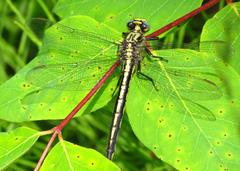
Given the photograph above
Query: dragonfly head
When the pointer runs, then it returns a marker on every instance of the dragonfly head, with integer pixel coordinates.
(138, 25)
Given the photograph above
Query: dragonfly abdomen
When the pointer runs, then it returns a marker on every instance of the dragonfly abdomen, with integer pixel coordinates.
(119, 107)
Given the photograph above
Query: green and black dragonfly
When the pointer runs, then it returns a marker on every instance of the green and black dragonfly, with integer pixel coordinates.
(80, 65)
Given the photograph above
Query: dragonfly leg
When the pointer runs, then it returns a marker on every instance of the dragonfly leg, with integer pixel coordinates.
(143, 76)
(151, 38)
(160, 58)
(154, 56)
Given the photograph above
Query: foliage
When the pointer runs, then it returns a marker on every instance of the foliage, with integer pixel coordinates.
(171, 135)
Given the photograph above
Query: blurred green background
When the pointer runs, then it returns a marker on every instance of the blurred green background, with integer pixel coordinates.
(20, 39)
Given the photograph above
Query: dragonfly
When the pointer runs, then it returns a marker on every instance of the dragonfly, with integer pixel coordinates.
(134, 52)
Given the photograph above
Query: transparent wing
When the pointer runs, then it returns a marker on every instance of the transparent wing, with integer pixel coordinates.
(68, 52)
(102, 36)
(63, 44)
(54, 79)
(199, 111)
(216, 46)
(67, 76)
(188, 81)
(70, 60)
(195, 85)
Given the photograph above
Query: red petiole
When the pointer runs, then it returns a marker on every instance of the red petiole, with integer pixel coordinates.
(57, 130)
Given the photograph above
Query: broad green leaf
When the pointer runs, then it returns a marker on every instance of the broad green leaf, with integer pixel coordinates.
(68, 156)
(67, 67)
(189, 122)
(15, 143)
(116, 13)
(225, 25)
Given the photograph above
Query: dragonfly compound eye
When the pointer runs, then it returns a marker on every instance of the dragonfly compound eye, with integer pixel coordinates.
(145, 27)
(131, 25)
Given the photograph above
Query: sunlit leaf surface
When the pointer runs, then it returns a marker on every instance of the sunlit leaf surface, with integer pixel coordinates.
(116, 13)
(15, 143)
(68, 156)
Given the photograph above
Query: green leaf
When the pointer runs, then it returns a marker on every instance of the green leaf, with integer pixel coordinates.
(15, 143)
(225, 25)
(190, 120)
(116, 13)
(68, 156)
(164, 122)
(68, 66)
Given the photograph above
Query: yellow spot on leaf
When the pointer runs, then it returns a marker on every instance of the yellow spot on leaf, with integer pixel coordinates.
(178, 161)
(218, 142)
(225, 134)
(92, 163)
(170, 136)
(229, 155)
(184, 128)
(161, 122)
(155, 147)
(211, 153)
(179, 149)
(187, 59)
(64, 99)
(25, 85)
(171, 105)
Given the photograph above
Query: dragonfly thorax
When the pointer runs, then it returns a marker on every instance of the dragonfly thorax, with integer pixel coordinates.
(133, 39)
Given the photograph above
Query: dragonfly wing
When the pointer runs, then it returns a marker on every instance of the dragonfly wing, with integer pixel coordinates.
(59, 75)
(196, 110)
(188, 84)
(197, 82)
(168, 98)
(59, 53)
(101, 36)
(215, 47)
(187, 58)
(72, 59)
(64, 44)
(56, 78)
(196, 85)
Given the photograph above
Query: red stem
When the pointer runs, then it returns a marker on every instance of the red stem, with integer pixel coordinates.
(184, 18)
(46, 151)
